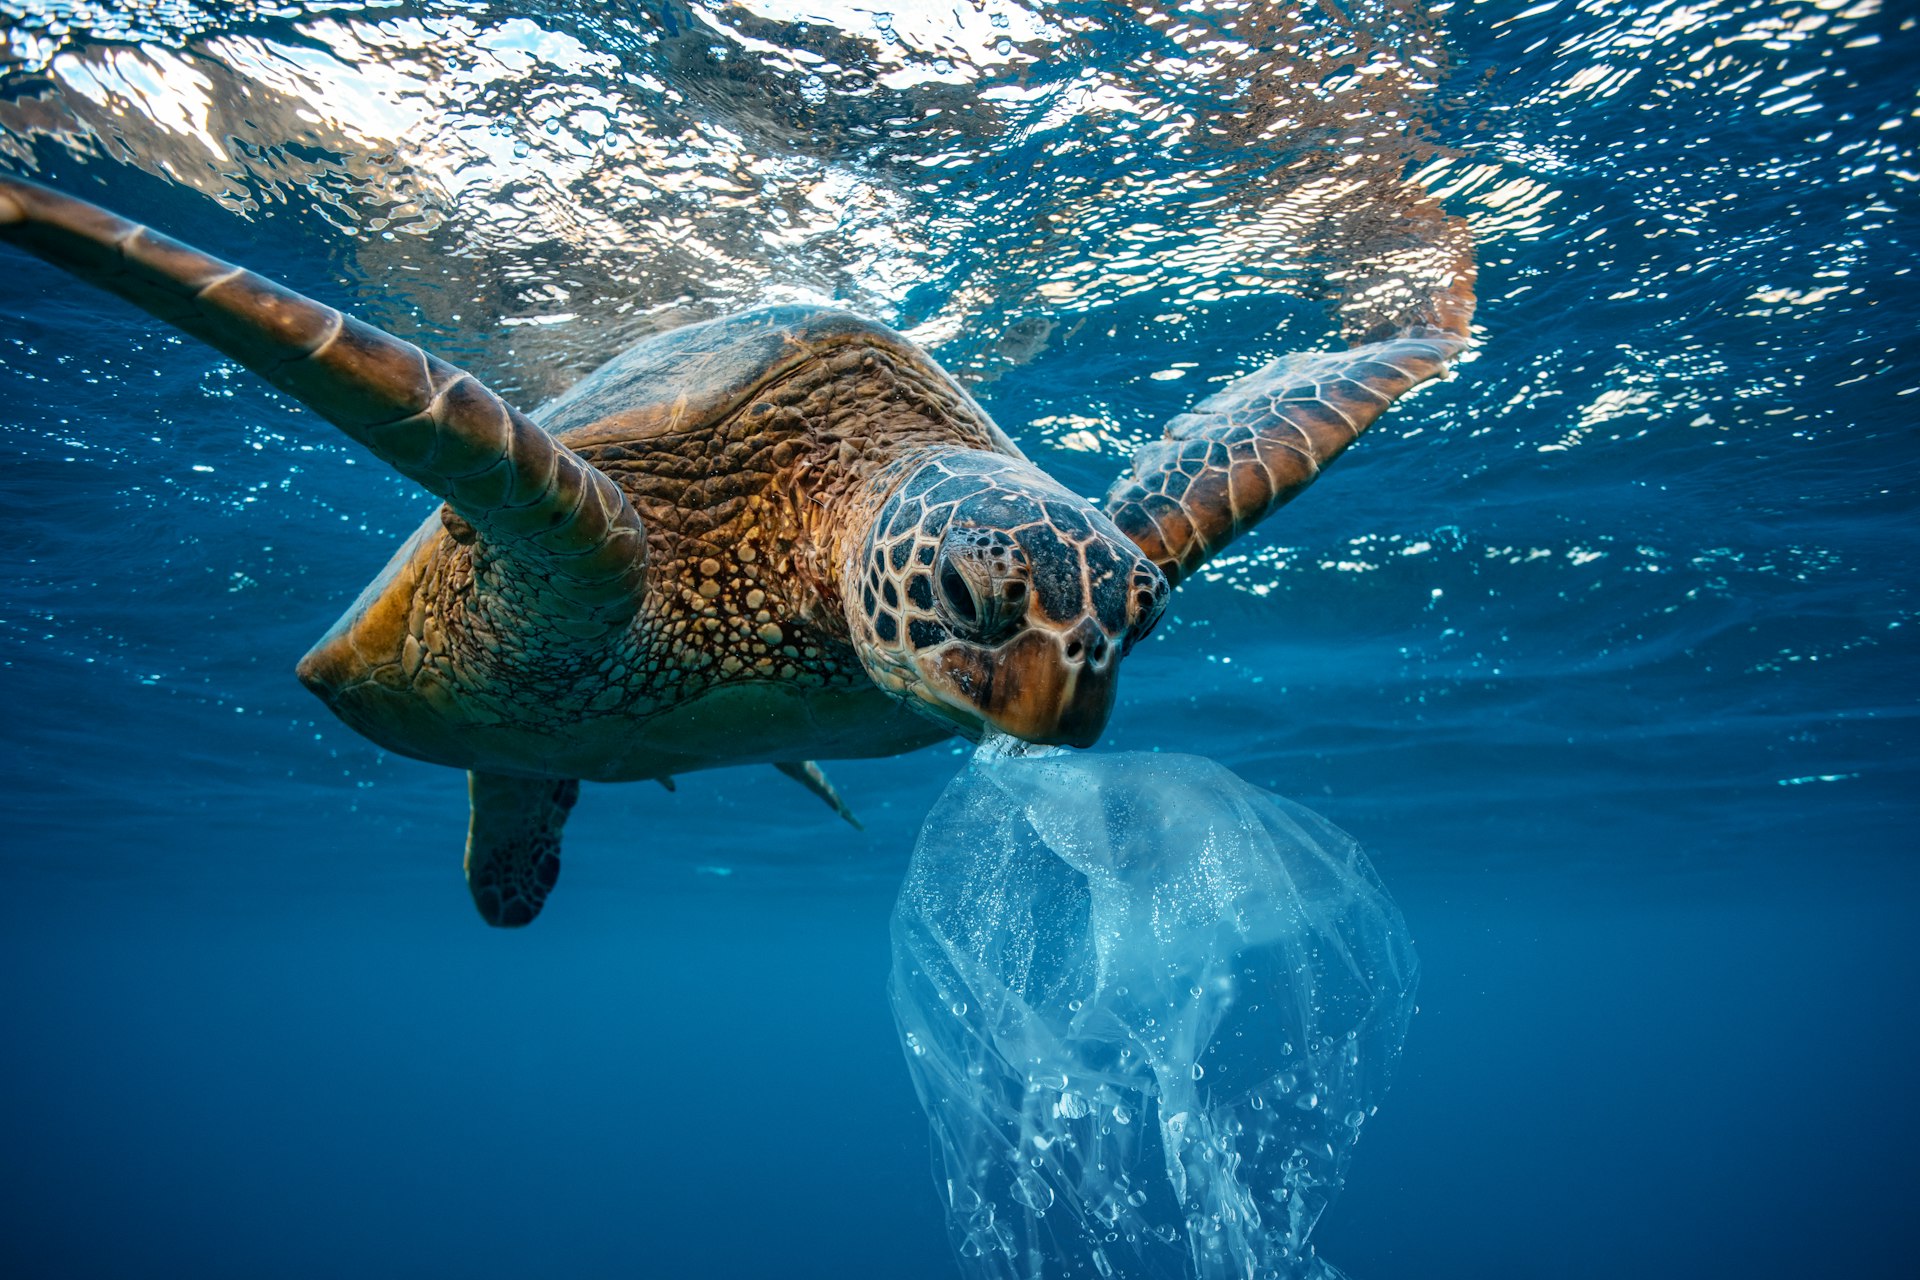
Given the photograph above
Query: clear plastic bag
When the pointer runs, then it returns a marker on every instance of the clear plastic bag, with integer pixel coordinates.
(1149, 1008)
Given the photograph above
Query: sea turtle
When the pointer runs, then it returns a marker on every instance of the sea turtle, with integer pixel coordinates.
(776, 537)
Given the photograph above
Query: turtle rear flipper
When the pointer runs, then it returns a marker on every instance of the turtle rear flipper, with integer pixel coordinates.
(811, 776)
(513, 843)
(537, 504)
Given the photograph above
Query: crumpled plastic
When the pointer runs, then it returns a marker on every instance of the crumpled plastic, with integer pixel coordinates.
(1149, 1009)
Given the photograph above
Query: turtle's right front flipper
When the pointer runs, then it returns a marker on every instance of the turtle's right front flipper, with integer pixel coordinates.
(535, 502)
(1251, 447)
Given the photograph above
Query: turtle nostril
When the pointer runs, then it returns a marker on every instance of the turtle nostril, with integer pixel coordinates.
(1073, 648)
(1099, 650)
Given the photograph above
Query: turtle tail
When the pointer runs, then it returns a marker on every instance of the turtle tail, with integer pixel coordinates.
(533, 500)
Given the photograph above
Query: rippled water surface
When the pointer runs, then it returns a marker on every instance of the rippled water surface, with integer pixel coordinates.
(1604, 647)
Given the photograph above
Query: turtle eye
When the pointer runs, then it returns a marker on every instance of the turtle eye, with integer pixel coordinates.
(983, 592)
(958, 595)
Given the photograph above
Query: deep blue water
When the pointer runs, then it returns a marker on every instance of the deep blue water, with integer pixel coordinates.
(1604, 648)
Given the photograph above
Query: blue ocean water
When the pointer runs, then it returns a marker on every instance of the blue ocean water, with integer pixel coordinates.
(1604, 648)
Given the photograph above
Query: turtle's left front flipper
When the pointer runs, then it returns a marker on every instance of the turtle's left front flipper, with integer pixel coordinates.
(1251, 447)
(576, 544)
(513, 843)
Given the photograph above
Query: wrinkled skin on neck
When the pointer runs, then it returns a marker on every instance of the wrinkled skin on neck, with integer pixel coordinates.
(993, 599)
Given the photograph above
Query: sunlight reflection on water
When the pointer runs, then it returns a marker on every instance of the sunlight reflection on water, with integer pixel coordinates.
(1020, 164)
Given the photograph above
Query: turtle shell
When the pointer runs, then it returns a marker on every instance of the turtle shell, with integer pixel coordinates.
(752, 447)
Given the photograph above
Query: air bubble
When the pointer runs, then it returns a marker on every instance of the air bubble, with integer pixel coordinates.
(1031, 1190)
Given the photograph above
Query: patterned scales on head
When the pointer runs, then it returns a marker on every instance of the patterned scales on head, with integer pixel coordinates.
(764, 539)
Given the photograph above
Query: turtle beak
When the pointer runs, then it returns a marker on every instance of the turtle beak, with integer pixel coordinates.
(1055, 688)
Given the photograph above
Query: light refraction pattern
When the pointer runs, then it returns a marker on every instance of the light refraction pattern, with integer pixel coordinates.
(531, 186)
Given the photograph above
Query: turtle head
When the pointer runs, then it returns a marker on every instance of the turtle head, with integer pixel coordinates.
(993, 599)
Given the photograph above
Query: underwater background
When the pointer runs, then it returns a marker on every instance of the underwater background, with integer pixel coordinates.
(1604, 648)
